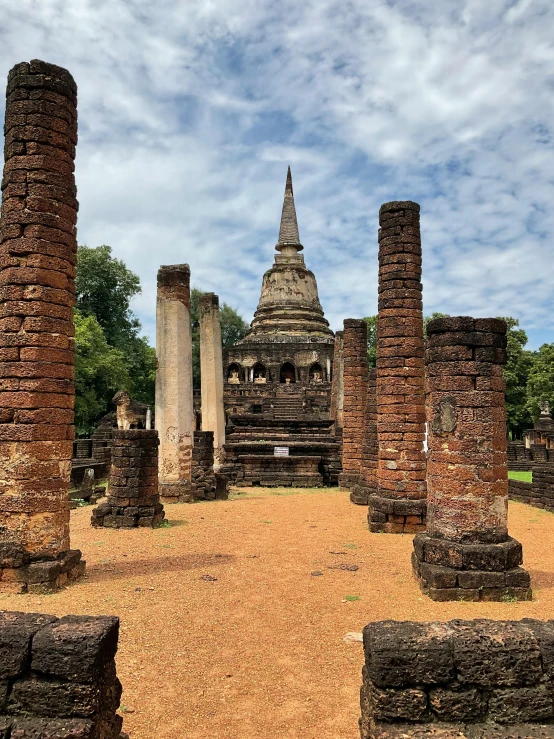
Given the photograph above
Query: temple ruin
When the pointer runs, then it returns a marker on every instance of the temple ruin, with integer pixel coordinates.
(37, 294)
(278, 378)
(211, 372)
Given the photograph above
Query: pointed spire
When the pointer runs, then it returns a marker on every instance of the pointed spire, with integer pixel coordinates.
(288, 231)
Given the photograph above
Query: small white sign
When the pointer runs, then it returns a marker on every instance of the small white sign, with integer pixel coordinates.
(280, 451)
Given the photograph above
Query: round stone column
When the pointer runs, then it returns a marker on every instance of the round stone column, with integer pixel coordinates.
(399, 505)
(466, 553)
(38, 253)
(367, 484)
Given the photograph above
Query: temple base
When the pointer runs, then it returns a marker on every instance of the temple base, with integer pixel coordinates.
(360, 495)
(396, 516)
(114, 517)
(447, 570)
(176, 492)
(43, 576)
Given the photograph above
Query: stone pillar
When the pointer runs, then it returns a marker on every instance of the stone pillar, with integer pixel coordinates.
(400, 504)
(38, 253)
(211, 372)
(174, 417)
(133, 497)
(367, 484)
(355, 391)
(466, 553)
(337, 383)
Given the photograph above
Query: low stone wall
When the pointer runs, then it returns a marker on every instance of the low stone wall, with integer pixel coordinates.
(461, 679)
(58, 677)
(271, 471)
(133, 497)
(520, 491)
(540, 492)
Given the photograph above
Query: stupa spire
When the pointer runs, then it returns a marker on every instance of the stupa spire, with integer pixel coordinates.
(288, 230)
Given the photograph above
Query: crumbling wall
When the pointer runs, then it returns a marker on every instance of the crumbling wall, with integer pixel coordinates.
(58, 677)
(133, 496)
(458, 679)
(355, 371)
(38, 253)
(399, 505)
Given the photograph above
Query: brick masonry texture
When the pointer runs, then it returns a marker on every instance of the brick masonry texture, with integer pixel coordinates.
(399, 505)
(466, 552)
(38, 252)
(540, 492)
(133, 497)
(58, 677)
(355, 375)
(368, 466)
(461, 679)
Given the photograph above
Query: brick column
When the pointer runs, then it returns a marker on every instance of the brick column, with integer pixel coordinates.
(355, 390)
(38, 253)
(466, 553)
(211, 372)
(368, 467)
(133, 498)
(337, 383)
(174, 405)
(399, 505)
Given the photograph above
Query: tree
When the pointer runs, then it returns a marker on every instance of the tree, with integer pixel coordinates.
(540, 382)
(100, 371)
(432, 317)
(233, 328)
(516, 373)
(371, 322)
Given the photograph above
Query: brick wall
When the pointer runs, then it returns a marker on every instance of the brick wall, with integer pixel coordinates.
(58, 677)
(458, 679)
(355, 377)
(367, 484)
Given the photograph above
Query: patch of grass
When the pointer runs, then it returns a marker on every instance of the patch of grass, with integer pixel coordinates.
(352, 597)
(509, 599)
(521, 476)
(350, 546)
(163, 524)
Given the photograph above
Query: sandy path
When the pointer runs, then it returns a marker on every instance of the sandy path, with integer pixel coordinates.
(259, 653)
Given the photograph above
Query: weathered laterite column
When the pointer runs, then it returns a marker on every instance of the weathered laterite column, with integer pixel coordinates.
(355, 391)
(466, 553)
(211, 372)
(133, 497)
(400, 505)
(367, 484)
(174, 410)
(38, 253)
(337, 383)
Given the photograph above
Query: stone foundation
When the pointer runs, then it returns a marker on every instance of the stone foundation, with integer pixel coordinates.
(271, 471)
(203, 476)
(479, 679)
(466, 553)
(133, 498)
(393, 516)
(58, 677)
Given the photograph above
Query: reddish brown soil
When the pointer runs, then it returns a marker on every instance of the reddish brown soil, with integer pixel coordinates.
(259, 652)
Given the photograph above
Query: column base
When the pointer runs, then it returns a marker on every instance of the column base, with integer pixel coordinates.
(349, 480)
(360, 495)
(43, 576)
(117, 517)
(448, 570)
(396, 516)
(176, 492)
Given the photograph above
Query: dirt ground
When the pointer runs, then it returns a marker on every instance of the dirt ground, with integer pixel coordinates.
(227, 631)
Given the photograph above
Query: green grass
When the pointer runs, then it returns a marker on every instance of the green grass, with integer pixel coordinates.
(521, 476)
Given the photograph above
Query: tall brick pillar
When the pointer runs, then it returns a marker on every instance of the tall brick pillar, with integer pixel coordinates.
(211, 372)
(355, 391)
(38, 253)
(337, 383)
(399, 505)
(367, 484)
(174, 410)
(466, 553)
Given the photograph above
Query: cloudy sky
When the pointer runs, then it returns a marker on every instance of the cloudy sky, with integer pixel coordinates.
(191, 110)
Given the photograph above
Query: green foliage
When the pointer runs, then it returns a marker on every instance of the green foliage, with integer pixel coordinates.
(371, 322)
(100, 371)
(233, 328)
(516, 375)
(540, 383)
(522, 476)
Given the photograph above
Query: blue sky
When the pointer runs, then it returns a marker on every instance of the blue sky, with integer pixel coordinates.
(190, 112)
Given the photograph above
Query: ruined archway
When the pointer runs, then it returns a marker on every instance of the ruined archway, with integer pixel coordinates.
(288, 373)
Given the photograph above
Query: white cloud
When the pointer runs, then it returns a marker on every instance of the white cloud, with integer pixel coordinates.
(190, 111)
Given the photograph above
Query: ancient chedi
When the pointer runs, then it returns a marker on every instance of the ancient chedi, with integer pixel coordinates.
(466, 553)
(174, 409)
(278, 377)
(37, 293)
(399, 505)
